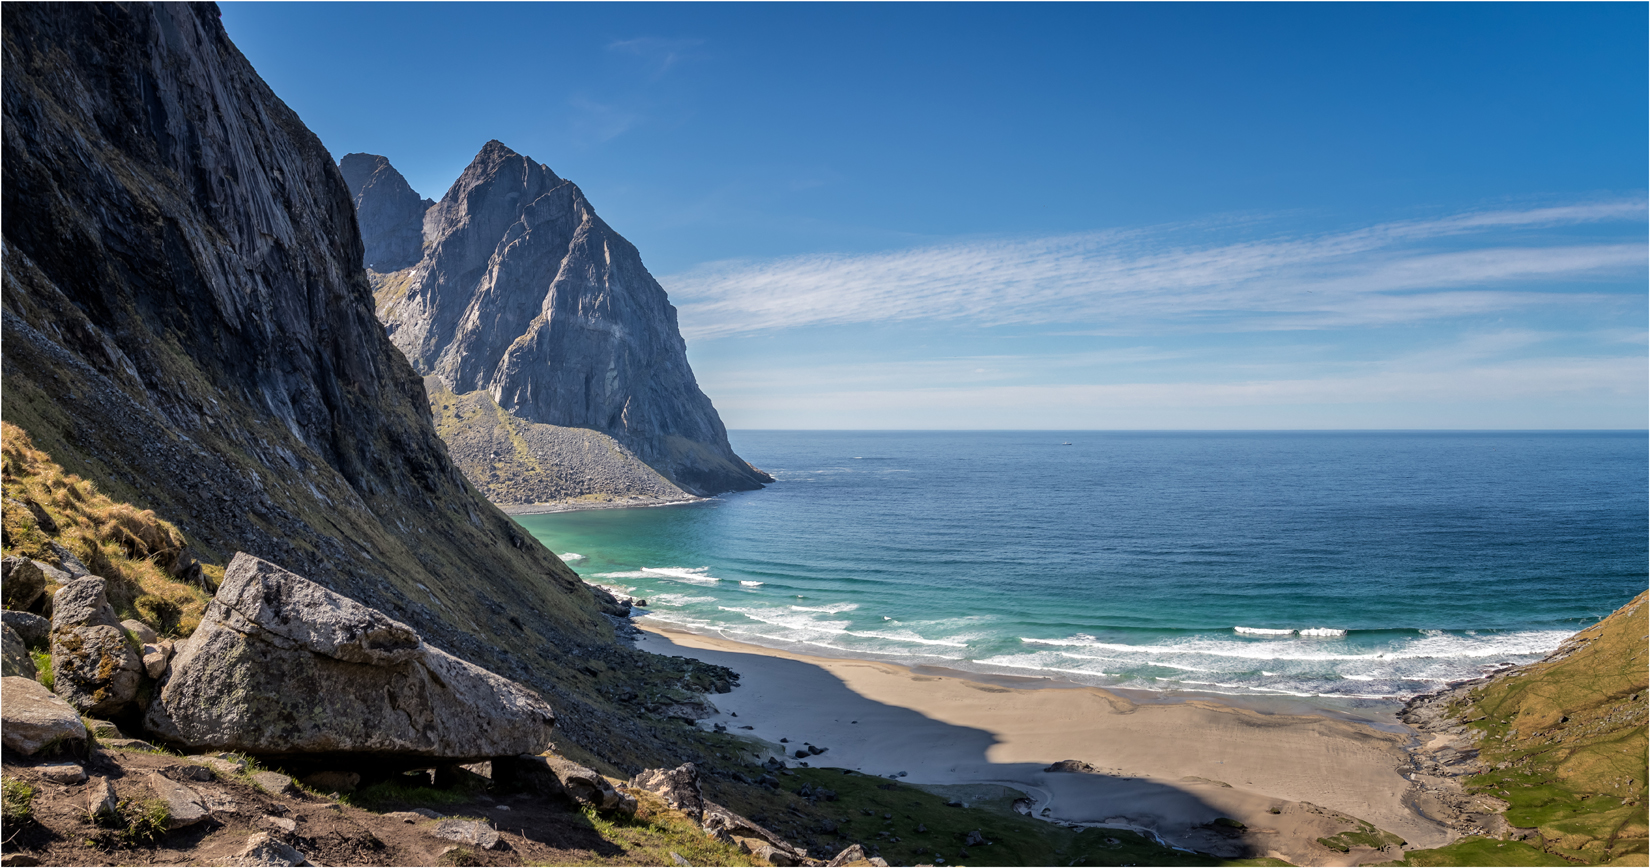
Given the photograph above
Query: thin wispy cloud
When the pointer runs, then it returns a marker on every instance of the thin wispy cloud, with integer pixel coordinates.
(660, 54)
(1154, 279)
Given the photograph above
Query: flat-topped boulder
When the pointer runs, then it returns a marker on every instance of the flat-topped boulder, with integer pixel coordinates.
(281, 666)
(33, 718)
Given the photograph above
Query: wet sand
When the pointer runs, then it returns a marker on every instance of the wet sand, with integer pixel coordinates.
(1170, 767)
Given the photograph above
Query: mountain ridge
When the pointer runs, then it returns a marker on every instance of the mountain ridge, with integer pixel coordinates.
(524, 292)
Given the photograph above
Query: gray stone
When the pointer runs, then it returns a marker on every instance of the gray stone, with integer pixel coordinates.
(523, 292)
(32, 718)
(184, 806)
(67, 561)
(126, 744)
(1073, 767)
(102, 802)
(142, 631)
(725, 825)
(427, 813)
(275, 783)
(63, 773)
(193, 773)
(102, 729)
(263, 849)
(21, 582)
(475, 832)
(281, 825)
(14, 655)
(156, 656)
(403, 816)
(585, 785)
(226, 765)
(679, 787)
(282, 666)
(94, 666)
(34, 630)
(54, 576)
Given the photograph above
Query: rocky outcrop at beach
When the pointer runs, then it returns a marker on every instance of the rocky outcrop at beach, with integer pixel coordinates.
(524, 293)
(283, 667)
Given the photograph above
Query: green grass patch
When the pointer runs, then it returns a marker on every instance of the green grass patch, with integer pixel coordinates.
(655, 832)
(1366, 835)
(16, 801)
(1481, 851)
(43, 668)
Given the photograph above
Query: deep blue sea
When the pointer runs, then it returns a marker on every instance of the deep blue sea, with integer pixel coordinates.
(1348, 565)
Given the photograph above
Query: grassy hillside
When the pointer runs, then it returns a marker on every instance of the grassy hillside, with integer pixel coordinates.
(1563, 743)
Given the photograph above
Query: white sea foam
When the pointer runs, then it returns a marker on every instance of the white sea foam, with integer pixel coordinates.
(1322, 633)
(831, 609)
(1262, 631)
(572, 556)
(692, 575)
(678, 599)
(750, 584)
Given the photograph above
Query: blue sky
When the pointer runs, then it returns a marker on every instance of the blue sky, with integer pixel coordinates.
(1063, 216)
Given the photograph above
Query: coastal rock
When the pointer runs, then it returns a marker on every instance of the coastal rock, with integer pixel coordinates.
(1073, 766)
(21, 582)
(282, 666)
(185, 807)
(755, 839)
(94, 666)
(477, 833)
(144, 633)
(102, 802)
(14, 657)
(390, 214)
(853, 855)
(155, 657)
(263, 849)
(34, 630)
(525, 294)
(679, 787)
(586, 786)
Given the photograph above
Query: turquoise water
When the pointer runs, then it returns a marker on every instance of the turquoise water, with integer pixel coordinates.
(1354, 565)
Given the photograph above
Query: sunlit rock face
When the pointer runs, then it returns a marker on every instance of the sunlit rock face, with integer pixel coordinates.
(525, 293)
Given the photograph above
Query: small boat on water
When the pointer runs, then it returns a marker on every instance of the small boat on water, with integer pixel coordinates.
(1067, 443)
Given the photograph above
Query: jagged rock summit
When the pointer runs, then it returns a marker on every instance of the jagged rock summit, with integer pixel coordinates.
(391, 215)
(525, 295)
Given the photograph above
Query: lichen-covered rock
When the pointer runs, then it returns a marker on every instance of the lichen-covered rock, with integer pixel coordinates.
(94, 666)
(32, 718)
(14, 656)
(475, 832)
(184, 806)
(21, 582)
(679, 787)
(282, 666)
(144, 633)
(265, 851)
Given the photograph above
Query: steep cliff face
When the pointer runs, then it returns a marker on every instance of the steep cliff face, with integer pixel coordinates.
(390, 214)
(188, 325)
(525, 293)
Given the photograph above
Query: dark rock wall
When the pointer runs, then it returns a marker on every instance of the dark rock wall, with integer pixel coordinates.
(187, 324)
(526, 293)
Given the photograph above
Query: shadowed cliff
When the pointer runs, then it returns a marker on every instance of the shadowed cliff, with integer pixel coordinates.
(188, 325)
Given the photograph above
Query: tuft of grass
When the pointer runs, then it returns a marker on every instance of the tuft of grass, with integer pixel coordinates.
(131, 548)
(1365, 835)
(1477, 850)
(652, 834)
(16, 801)
(43, 668)
(145, 820)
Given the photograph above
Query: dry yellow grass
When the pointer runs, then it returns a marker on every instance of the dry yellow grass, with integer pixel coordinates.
(135, 550)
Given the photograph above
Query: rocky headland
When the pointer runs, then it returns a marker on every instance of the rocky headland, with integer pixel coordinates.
(527, 297)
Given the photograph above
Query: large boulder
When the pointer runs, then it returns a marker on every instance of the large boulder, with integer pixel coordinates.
(94, 666)
(14, 656)
(281, 666)
(679, 787)
(21, 582)
(32, 718)
(757, 840)
(587, 786)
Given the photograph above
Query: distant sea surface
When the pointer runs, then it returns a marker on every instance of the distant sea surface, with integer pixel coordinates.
(1343, 565)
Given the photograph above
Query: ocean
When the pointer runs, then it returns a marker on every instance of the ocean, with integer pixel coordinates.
(1338, 565)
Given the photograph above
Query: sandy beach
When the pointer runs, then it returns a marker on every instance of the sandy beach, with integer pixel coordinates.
(1167, 767)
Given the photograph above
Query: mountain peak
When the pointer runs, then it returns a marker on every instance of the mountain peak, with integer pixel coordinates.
(388, 210)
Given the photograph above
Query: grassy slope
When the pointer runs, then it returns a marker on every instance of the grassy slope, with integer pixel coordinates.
(129, 547)
(1564, 743)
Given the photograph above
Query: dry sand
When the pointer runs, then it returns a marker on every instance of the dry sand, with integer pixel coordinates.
(1169, 767)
